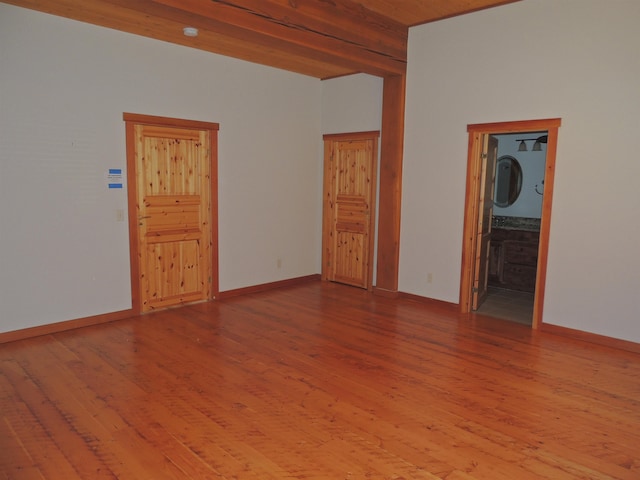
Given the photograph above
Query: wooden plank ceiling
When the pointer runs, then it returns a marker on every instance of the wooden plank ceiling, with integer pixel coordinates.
(320, 38)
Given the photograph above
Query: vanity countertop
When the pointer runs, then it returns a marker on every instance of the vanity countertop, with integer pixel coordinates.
(516, 223)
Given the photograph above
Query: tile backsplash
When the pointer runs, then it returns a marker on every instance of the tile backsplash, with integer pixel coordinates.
(516, 223)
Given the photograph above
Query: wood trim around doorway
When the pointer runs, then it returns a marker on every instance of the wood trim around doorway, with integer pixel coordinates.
(390, 185)
(476, 132)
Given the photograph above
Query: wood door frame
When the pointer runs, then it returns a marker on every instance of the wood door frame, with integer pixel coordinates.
(132, 119)
(476, 135)
(326, 220)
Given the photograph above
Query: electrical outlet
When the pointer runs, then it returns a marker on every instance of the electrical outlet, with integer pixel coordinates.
(429, 277)
(119, 215)
(279, 263)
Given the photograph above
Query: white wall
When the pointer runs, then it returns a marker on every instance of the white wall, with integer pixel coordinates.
(575, 59)
(354, 104)
(63, 88)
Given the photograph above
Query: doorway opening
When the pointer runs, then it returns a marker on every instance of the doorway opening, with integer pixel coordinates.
(515, 225)
(478, 263)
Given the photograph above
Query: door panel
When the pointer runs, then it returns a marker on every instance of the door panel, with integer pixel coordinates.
(173, 206)
(350, 181)
(485, 207)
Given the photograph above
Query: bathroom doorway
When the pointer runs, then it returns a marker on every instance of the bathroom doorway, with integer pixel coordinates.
(513, 234)
(475, 259)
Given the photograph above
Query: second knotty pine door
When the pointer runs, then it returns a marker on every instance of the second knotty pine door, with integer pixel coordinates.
(350, 169)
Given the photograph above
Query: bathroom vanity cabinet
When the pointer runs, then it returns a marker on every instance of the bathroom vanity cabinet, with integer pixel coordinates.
(513, 259)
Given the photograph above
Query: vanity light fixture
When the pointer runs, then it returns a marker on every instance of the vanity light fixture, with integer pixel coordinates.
(190, 31)
(537, 146)
(539, 141)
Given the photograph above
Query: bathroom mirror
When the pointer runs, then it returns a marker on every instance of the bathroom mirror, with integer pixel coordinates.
(508, 181)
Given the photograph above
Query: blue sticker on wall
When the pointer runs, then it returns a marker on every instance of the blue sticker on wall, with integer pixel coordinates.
(114, 178)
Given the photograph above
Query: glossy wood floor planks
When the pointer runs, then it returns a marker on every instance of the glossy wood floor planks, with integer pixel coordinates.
(319, 381)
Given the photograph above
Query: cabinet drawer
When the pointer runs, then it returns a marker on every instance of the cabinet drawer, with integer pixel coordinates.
(521, 253)
(520, 277)
(499, 234)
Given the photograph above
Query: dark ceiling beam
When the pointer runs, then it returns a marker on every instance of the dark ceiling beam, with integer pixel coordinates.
(340, 32)
(119, 17)
(322, 39)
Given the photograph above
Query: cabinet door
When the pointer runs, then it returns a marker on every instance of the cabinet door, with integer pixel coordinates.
(520, 277)
(521, 253)
(496, 262)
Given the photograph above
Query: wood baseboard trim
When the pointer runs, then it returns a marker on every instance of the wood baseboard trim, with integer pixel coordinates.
(592, 338)
(432, 302)
(268, 286)
(57, 327)
(381, 292)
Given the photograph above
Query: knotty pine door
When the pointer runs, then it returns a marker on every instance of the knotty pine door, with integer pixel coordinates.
(485, 206)
(171, 172)
(349, 208)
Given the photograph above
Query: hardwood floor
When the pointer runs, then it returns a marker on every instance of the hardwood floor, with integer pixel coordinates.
(319, 381)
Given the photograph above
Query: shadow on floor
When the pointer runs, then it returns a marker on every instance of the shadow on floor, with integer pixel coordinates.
(508, 305)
